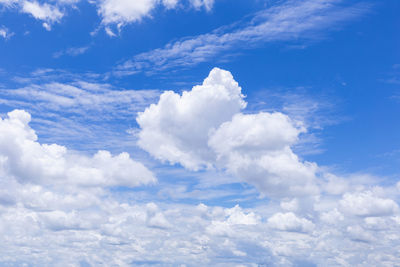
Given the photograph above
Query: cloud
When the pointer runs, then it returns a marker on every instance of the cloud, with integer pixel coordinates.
(76, 111)
(290, 222)
(176, 129)
(204, 128)
(49, 14)
(207, 4)
(122, 12)
(54, 195)
(291, 20)
(5, 33)
(72, 51)
(366, 204)
(28, 161)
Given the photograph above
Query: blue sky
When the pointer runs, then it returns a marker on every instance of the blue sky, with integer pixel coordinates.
(199, 132)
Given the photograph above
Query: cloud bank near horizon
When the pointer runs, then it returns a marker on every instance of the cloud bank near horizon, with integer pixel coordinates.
(308, 215)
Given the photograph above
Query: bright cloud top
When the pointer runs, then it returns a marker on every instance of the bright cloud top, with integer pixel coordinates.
(204, 127)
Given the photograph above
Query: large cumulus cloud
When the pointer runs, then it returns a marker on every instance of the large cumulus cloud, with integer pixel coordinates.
(205, 128)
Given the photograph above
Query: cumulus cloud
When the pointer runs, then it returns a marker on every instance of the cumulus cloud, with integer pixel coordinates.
(290, 222)
(367, 204)
(54, 195)
(45, 12)
(124, 11)
(204, 127)
(176, 129)
(28, 161)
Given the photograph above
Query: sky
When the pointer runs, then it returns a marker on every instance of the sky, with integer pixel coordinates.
(199, 133)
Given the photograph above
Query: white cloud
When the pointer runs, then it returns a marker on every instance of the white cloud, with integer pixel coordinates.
(207, 4)
(366, 204)
(72, 51)
(204, 128)
(125, 11)
(121, 12)
(54, 195)
(290, 222)
(169, 4)
(291, 20)
(49, 14)
(256, 148)
(357, 233)
(332, 217)
(78, 111)
(5, 33)
(177, 128)
(28, 161)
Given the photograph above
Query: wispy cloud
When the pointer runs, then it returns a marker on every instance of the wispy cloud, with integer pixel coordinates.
(73, 110)
(5, 32)
(72, 51)
(292, 20)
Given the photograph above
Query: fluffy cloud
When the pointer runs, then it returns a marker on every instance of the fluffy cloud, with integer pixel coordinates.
(290, 222)
(177, 128)
(48, 12)
(121, 12)
(366, 204)
(28, 161)
(204, 128)
(49, 194)
(45, 12)
(124, 11)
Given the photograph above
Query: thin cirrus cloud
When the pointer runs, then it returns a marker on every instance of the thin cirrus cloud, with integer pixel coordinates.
(72, 51)
(63, 109)
(292, 20)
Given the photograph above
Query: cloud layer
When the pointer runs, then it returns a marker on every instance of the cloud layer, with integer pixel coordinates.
(51, 194)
